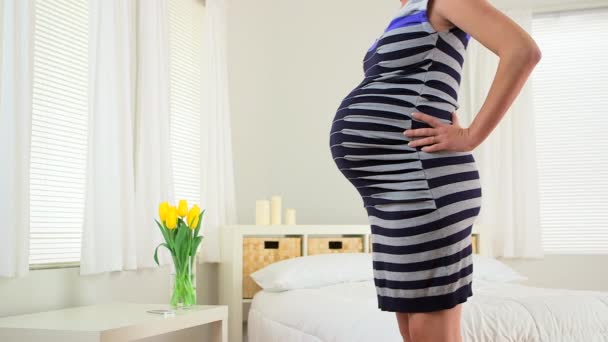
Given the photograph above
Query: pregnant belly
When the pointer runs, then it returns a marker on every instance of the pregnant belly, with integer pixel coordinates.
(368, 146)
(378, 113)
(367, 141)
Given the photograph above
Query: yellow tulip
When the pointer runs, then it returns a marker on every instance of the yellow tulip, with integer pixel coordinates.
(162, 211)
(171, 217)
(193, 216)
(182, 208)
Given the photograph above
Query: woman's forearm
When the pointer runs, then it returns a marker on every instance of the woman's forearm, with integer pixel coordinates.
(513, 71)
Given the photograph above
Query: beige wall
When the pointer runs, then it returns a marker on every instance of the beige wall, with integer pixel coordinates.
(290, 65)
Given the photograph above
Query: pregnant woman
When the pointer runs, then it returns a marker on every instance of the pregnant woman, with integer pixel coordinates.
(397, 139)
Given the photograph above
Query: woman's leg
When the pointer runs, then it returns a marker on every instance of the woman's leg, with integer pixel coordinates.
(437, 326)
(402, 319)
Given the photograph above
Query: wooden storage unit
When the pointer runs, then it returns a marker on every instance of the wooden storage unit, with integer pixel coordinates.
(261, 251)
(323, 245)
(475, 242)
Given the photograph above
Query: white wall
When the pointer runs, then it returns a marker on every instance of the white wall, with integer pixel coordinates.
(291, 63)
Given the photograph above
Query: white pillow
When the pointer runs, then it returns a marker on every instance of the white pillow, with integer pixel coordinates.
(314, 271)
(332, 268)
(488, 268)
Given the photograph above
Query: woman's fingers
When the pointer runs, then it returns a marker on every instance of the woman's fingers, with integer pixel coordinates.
(440, 137)
(420, 132)
(423, 141)
(434, 147)
(431, 120)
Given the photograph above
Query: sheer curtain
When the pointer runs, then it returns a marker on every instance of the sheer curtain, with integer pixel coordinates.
(152, 160)
(108, 238)
(509, 222)
(217, 171)
(128, 172)
(114, 238)
(16, 56)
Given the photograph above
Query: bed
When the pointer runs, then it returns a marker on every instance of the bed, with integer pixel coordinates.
(324, 307)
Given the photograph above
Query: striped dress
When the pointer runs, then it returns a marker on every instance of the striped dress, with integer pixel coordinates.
(421, 205)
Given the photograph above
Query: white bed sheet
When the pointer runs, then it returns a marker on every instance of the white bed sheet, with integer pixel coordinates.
(497, 312)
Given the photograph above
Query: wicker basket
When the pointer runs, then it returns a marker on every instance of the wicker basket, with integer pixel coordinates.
(261, 251)
(322, 245)
(475, 243)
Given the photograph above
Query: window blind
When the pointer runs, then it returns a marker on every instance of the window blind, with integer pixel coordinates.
(185, 25)
(59, 130)
(570, 87)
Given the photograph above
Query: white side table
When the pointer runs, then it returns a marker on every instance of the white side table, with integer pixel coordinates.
(112, 322)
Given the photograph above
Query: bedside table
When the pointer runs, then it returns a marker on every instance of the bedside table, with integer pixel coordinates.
(112, 322)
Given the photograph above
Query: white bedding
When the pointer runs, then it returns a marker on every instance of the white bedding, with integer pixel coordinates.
(496, 312)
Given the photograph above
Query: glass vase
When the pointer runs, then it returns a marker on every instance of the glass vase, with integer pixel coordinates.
(183, 283)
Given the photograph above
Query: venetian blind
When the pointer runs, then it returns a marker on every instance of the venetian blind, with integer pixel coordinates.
(185, 25)
(59, 130)
(570, 87)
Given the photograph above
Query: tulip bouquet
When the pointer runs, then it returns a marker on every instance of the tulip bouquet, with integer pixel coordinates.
(180, 227)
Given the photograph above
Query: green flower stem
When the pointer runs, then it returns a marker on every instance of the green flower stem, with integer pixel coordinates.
(184, 290)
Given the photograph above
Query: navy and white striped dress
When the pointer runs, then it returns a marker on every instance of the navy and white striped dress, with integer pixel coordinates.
(421, 205)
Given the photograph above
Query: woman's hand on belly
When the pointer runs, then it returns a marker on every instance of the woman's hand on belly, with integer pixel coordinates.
(441, 136)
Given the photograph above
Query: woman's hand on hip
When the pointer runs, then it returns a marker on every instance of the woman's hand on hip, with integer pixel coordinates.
(440, 136)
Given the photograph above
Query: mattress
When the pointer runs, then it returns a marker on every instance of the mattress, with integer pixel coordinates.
(496, 312)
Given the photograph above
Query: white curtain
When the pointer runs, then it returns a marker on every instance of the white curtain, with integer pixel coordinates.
(109, 237)
(129, 170)
(16, 57)
(217, 171)
(509, 223)
(152, 160)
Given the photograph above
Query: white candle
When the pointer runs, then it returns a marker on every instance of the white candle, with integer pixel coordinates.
(262, 212)
(290, 216)
(275, 210)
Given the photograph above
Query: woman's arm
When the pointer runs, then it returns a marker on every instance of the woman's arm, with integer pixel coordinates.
(518, 55)
(517, 51)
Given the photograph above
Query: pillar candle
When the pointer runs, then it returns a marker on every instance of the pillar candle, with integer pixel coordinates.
(290, 216)
(275, 210)
(262, 212)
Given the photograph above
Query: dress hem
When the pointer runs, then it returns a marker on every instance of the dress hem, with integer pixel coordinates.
(425, 304)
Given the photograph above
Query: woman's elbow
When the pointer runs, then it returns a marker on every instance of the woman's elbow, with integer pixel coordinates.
(528, 54)
(534, 54)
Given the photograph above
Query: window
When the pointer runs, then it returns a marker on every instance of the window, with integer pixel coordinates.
(185, 25)
(60, 120)
(570, 86)
(59, 130)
